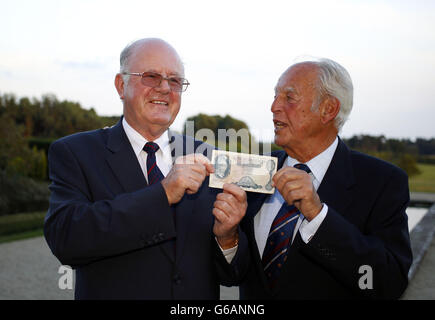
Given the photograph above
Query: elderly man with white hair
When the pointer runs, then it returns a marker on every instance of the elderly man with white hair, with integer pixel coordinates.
(336, 226)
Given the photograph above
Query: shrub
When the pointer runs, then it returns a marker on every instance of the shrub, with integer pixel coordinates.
(40, 143)
(22, 194)
(31, 163)
(21, 222)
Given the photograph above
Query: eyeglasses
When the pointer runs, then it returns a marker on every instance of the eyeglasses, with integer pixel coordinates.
(153, 80)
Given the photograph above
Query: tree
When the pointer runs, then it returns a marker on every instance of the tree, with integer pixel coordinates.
(408, 163)
(227, 132)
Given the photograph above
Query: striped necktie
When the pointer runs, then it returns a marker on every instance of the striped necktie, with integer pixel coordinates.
(154, 173)
(279, 238)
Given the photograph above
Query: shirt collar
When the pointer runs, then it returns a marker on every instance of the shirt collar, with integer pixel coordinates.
(137, 141)
(320, 163)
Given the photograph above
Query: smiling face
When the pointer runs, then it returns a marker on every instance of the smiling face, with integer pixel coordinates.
(297, 127)
(150, 111)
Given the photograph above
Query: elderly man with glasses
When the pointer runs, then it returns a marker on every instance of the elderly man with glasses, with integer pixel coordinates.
(130, 208)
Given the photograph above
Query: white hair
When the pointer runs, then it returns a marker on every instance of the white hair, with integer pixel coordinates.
(335, 81)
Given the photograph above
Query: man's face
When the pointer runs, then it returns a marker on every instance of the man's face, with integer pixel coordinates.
(295, 94)
(151, 110)
(221, 166)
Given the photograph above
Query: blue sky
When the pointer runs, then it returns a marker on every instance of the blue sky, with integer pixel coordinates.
(234, 53)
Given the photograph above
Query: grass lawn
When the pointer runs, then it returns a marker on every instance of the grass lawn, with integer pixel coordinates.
(424, 182)
(21, 226)
(22, 235)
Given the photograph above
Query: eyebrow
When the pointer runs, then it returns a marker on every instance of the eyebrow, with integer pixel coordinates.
(287, 90)
(171, 74)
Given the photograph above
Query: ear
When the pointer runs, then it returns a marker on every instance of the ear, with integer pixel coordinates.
(119, 85)
(329, 109)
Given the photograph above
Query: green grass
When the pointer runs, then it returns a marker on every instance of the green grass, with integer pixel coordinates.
(21, 226)
(424, 182)
(22, 235)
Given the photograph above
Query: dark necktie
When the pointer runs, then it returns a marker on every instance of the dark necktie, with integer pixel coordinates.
(279, 238)
(153, 171)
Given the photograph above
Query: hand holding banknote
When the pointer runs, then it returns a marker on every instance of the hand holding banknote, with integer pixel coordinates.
(236, 173)
(250, 172)
(186, 176)
(296, 188)
(229, 209)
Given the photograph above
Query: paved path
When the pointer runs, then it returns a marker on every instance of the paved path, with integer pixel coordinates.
(423, 197)
(28, 270)
(422, 285)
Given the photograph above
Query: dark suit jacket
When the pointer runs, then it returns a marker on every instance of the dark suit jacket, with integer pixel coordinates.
(366, 224)
(120, 234)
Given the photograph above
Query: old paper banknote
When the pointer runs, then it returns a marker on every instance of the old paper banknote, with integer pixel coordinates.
(251, 172)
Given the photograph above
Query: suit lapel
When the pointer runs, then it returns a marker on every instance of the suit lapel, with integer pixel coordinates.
(255, 202)
(335, 189)
(180, 145)
(127, 170)
(184, 209)
(123, 161)
(335, 192)
(176, 143)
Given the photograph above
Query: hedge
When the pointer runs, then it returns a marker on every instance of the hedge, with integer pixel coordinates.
(22, 194)
(21, 222)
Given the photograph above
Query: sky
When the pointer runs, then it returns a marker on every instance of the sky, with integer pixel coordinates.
(233, 52)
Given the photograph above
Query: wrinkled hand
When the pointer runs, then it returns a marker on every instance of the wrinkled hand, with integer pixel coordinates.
(296, 188)
(229, 208)
(186, 176)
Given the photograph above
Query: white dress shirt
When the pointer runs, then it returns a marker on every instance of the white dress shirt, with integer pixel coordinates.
(137, 141)
(163, 159)
(264, 218)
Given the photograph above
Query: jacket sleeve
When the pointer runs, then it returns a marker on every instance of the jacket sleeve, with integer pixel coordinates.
(80, 231)
(382, 251)
(230, 274)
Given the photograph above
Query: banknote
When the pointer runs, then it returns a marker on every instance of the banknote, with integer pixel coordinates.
(251, 172)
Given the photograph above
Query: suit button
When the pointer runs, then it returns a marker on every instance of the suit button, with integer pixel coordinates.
(176, 279)
(161, 236)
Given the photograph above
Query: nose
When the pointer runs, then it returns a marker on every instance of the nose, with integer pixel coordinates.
(163, 87)
(275, 105)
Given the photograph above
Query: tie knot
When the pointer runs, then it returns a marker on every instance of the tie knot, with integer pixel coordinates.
(302, 166)
(151, 147)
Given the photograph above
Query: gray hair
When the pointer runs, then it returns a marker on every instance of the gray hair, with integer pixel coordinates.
(125, 54)
(335, 81)
(128, 51)
(123, 59)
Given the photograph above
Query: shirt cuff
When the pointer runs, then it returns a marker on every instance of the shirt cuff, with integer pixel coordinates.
(309, 229)
(228, 253)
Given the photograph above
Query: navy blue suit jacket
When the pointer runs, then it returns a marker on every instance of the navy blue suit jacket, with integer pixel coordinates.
(120, 234)
(366, 225)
